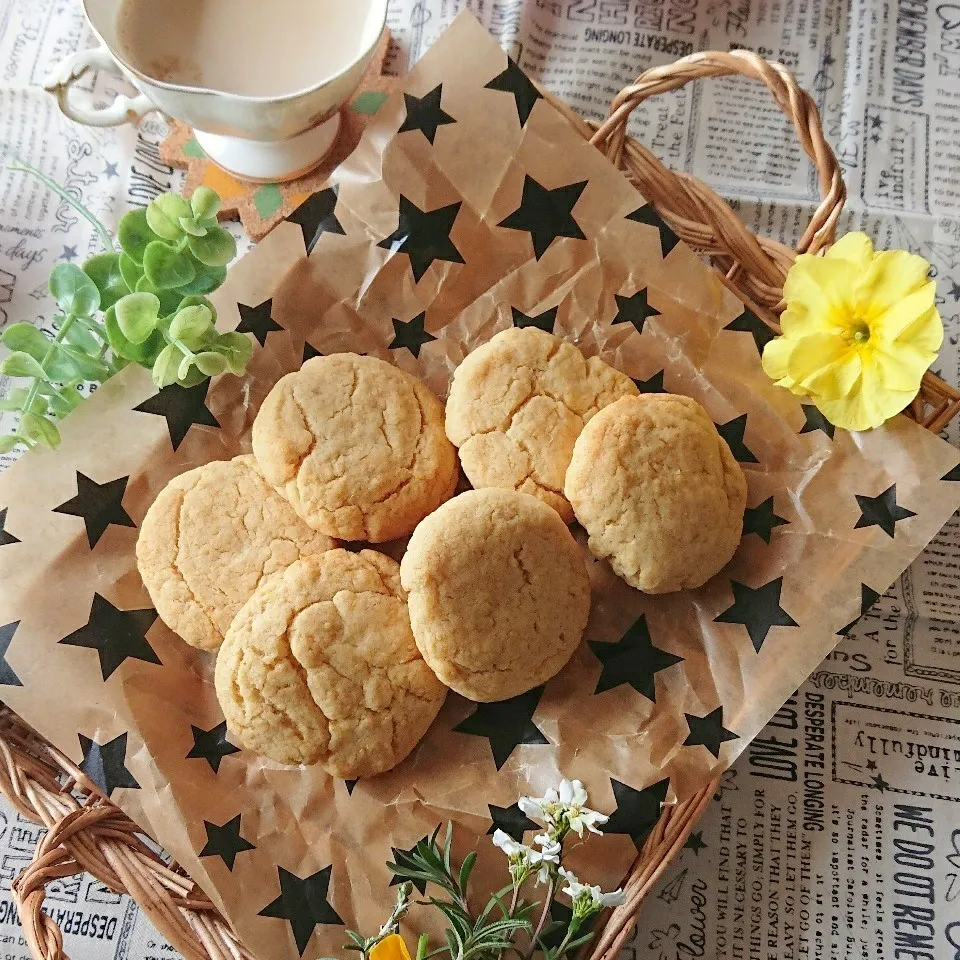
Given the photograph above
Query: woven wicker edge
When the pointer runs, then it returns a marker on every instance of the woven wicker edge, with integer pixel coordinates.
(88, 833)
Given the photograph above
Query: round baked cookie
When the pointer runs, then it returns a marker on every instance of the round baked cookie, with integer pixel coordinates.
(658, 491)
(518, 403)
(498, 591)
(357, 446)
(320, 666)
(209, 539)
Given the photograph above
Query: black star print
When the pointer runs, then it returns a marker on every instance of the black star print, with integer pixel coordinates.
(633, 659)
(634, 309)
(879, 783)
(952, 475)
(7, 677)
(105, 764)
(110, 170)
(542, 321)
(506, 724)
(761, 520)
(653, 385)
(955, 291)
(881, 511)
(424, 236)
(646, 214)
(637, 810)
(225, 841)
(749, 322)
(816, 421)
(309, 352)
(211, 745)
(403, 861)
(5, 537)
(424, 113)
(257, 320)
(875, 137)
(514, 81)
(871, 764)
(511, 820)
(695, 843)
(115, 634)
(758, 609)
(546, 214)
(876, 123)
(350, 784)
(303, 904)
(410, 334)
(868, 597)
(708, 731)
(316, 216)
(182, 407)
(732, 431)
(99, 504)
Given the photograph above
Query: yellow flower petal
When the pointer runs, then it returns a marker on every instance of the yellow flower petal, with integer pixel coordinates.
(815, 291)
(925, 333)
(857, 247)
(865, 408)
(901, 315)
(824, 363)
(900, 368)
(390, 948)
(893, 275)
(776, 357)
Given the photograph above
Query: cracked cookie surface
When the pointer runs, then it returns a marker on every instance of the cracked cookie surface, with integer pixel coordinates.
(357, 446)
(517, 405)
(208, 540)
(658, 492)
(498, 592)
(320, 666)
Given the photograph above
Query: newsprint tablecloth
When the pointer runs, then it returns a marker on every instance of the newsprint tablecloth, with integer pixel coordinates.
(837, 835)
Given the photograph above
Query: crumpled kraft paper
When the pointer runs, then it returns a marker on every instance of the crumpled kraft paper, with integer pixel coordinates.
(665, 691)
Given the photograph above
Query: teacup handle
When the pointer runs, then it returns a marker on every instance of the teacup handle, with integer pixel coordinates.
(68, 71)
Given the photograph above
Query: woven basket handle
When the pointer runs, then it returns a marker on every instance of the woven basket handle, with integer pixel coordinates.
(687, 205)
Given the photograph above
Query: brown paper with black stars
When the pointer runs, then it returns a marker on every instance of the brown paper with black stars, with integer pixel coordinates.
(469, 205)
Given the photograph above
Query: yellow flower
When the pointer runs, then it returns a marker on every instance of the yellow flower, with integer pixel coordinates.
(390, 948)
(859, 330)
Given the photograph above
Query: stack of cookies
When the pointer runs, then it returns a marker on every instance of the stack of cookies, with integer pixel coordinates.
(343, 657)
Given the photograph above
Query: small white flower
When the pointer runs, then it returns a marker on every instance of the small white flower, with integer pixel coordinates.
(507, 844)
(616, 898)
(564, 809)
(588, 899)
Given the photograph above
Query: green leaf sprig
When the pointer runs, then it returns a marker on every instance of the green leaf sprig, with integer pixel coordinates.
(145, 303)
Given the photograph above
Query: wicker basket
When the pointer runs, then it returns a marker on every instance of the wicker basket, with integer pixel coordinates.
(92, 835)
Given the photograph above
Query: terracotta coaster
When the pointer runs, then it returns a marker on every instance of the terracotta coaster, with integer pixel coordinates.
(260, 206)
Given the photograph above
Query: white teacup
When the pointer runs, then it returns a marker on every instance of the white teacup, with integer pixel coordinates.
(255, 138)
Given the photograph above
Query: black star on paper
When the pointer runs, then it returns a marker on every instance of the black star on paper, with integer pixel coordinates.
(105, 764)
(403, 860)
(309, 352)
(511, 820)
(514, 81)
(5, 537)
(695, 843)
(410, 334)
(225, 841)
(7, 676)
(424, 113)
(708, 731)
(732, 432)
(879, 783)
(653, 385)
(761, 520)
(211, 745)
(99, 504)
(871, 764)
(876, 123)
(542, 321)
(758, 609)
(633, 659)
(749, 322)
(350, 784)
(303, 904)
(316, 216)
(115, 634)
(952, 475)
(816, 421)
(868, 597)
(182, 407)
(881, 511)
(637, 810)
(257, 320)
(646, 214)
(506, 724)
(634, 309)
(955, 291)
(424, 236)
(546, 214)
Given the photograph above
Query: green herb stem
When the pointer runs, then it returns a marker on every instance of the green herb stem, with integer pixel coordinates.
(422, 943)
(544, 914)
(47, 357)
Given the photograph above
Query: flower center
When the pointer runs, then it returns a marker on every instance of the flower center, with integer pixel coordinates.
(858, 332)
